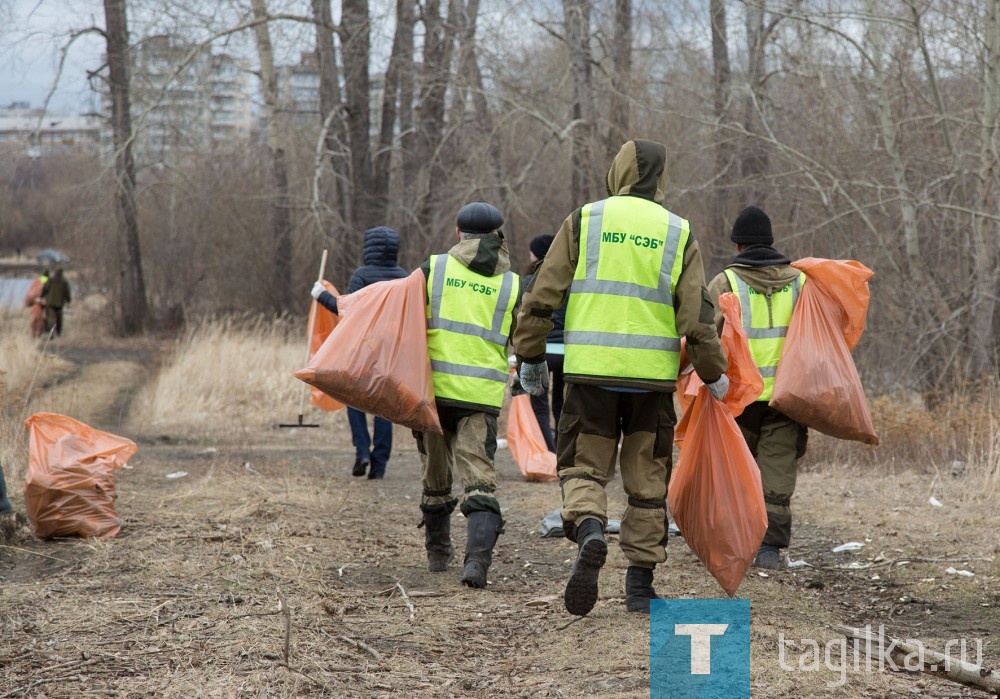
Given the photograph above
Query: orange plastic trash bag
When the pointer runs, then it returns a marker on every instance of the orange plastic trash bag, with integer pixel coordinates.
(715, 494)
(745, 382)
(376, 358)
(322, 323)
(817, 383)
(70, 489)
(526, 443)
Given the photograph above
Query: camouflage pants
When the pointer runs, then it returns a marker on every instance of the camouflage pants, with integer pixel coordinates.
(466, 449)
(776, 442)
(592, 423)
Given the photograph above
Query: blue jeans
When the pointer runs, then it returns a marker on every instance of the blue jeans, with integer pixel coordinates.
(379, 455)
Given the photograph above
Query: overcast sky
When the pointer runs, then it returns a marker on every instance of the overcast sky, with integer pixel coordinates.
(32, 34)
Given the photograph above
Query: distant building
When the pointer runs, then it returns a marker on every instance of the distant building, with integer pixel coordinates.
(37, 135)
(185, 98)
(298, 85)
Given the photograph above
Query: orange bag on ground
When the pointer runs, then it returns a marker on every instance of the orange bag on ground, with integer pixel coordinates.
(817, 383)
(376, 358)
(322, 323)
(526, 443)
(69, 489)
(745, 382)
(715, 494)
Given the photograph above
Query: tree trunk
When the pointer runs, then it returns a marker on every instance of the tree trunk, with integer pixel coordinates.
(754, 160)
(130, 286)
(329, 103)
(621, 80)
(402, 53)
(281, 227)
(724, 153)
(985, 233)
(577, 20)
(355, 25)
(405, 19)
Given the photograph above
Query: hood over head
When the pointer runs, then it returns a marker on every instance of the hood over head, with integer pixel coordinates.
(381, 246)
(639, 169)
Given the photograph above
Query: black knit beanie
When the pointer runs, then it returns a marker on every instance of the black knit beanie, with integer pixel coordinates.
(540, 245)
(752, 227)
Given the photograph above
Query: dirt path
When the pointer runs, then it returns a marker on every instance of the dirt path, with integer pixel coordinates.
(267, 570)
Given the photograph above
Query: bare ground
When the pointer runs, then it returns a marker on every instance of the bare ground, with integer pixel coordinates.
(269, 571)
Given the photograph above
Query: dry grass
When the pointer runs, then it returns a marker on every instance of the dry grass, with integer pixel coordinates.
(224, 376)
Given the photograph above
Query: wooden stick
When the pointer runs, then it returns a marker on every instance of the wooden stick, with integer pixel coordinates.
(309, 335)
(912, 656)
(288, 625)
(406, 600)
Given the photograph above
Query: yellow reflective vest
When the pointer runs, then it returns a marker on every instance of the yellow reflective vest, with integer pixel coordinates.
(468, 323)
(766, 317)
(620, 316)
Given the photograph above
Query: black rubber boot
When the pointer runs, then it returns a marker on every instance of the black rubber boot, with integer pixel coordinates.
(581, 589)
(360, 467)
(484, 528)
(768, 557)
(639, 589)
(437, 540)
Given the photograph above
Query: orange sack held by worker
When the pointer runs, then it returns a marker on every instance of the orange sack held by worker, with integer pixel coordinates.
(817, 383)
(526, 443)
(376, 358)
(69, 489)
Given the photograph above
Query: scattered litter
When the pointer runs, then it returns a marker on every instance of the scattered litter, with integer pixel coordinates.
(542, 601)
(849, 546)
(964, 573)
(127, 466)
(501, 443)
(552, 525)
(957, 469)
(934, 501)
(209, 450)
(177, 474)
(673, 530)
(762, 574)
(797, 564)
(876, 577)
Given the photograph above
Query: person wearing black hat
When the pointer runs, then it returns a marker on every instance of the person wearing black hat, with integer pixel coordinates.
(633, 275)
(768, 288)
(554, 351)
(472, 297)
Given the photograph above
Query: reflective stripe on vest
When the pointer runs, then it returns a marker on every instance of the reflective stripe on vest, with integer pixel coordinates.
(620, 315)
(766, 318)
(468, 322)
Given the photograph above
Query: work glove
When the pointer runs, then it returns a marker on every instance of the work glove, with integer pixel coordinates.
(720, 387)
(317, 289)
(535, 378)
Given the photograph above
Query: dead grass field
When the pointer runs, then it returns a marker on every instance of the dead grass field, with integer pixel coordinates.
(268, 571)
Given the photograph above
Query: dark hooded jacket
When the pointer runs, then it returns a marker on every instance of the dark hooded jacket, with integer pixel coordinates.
(381, 252)
(639, 170)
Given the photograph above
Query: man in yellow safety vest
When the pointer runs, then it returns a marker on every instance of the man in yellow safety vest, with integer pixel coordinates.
(768, 288)
(636, 285)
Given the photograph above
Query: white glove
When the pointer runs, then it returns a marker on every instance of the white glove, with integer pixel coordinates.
(512, 362)
(535, 378)
(720, 388)
(317, 289)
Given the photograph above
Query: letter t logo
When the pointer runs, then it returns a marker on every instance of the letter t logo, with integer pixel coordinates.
(701, 644)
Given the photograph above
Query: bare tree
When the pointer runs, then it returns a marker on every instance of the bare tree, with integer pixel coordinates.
(130, 287)
(621, 79)
(355, 25)
(576, 15)
(281, 225)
